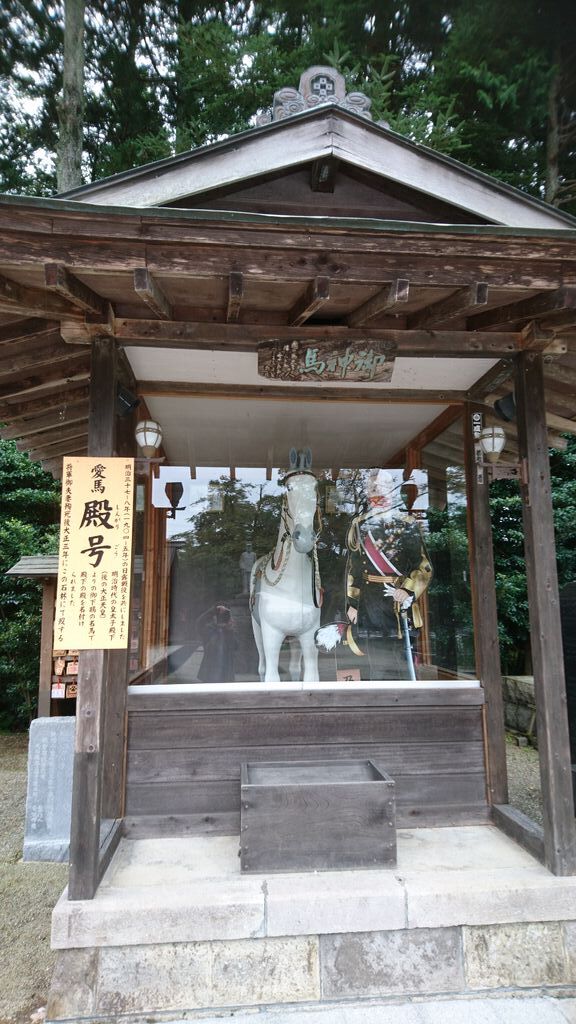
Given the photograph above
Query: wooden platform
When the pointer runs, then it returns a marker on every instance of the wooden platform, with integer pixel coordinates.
(185, 750)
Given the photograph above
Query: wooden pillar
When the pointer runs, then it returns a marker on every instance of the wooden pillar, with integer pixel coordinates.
(545, 630)
(485, 615)
(46, 647)
(92, 665)
(114, 767)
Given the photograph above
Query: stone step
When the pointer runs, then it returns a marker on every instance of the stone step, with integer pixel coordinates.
(501, 1010)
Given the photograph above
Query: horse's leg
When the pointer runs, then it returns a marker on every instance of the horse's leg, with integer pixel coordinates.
(310, 654)
(261, 658)
(272, 642)
(295, 664)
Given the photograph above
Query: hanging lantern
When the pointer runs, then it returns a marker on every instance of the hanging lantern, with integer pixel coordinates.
(148, 435)
(493, 440)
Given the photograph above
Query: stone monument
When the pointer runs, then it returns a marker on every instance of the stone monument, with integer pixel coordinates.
(49, 795)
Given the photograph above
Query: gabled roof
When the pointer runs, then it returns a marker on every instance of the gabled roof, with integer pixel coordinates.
(327, 133)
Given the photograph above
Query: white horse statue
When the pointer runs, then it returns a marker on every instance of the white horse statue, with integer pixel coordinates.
(285, 584)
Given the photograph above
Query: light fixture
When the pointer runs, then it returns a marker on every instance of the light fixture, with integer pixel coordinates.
(505, 408)
(126, 402)
(493, 440)
(148, 435)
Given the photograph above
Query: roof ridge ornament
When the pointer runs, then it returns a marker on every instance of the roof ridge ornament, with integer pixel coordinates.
(319, 85)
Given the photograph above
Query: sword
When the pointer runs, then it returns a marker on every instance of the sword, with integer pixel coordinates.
(408, 646)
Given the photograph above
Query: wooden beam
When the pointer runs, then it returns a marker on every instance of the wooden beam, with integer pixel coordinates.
(520, 828)
(557, 301)
(235, 295)
(15, 297)
(60, 281)
(69, 370)
(51, 352)
(46, 647)
(394, 294)
(545, 629)
(485, 613)
(247, 338)
(287, 392)
(93, 669)
(50, 421)
(147, 287)
(23, 329)
(60, 398)
(433, 430)
(315, 296)
(498, 375)
(455, 306)
(55, 445)
(57, 432)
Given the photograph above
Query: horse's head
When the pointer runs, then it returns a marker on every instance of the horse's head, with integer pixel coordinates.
(302, 501)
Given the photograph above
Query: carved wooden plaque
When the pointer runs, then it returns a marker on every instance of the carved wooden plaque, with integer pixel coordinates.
(326, 360)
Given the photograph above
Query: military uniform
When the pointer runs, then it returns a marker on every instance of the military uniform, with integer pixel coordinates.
(386, 551)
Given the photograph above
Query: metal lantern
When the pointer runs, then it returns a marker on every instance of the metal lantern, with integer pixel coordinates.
(148, 435)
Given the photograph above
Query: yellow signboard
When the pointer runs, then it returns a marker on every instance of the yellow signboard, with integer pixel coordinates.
(93, 599)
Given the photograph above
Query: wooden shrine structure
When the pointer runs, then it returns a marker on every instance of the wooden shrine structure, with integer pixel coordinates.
(321, 227)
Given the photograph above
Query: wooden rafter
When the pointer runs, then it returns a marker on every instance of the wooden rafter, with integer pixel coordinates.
(54, 420)
(247, 337)
(49, 352)
(235, 296)
(25, 329)
(461, 304)
(315, 296)
(59, 446)
(147, 287)
(55, 397)
(56, 376)
(58, 432)
(386, 300)
(444, 420)
(19, 298)
(287, 392)
(59, 280)
(559, 301)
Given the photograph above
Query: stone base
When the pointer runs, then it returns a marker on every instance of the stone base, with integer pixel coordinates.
(178, 979)
(176, 931)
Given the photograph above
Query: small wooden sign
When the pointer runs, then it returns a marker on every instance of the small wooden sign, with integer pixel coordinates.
(326, 360)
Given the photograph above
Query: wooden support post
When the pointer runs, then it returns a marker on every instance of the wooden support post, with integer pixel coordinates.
(46, 646)
(93, 665)
(485, 615)
(545, 629)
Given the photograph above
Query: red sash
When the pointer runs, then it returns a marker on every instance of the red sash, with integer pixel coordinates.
(384, 566)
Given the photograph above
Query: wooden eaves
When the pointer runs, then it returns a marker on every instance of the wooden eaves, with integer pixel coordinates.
(198, 279)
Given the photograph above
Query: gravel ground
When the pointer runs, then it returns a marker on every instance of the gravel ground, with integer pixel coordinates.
(28, 892)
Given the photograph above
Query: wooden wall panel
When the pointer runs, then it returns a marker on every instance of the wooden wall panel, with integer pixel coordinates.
(184, 762)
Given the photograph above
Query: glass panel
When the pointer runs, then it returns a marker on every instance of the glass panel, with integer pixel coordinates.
(299, 572)
(451, 634)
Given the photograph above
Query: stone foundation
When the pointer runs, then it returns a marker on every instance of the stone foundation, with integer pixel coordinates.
(175, 930)
(180, 979)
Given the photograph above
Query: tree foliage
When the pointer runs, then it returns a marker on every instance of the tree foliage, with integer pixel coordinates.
(490, 83)
(29, 509)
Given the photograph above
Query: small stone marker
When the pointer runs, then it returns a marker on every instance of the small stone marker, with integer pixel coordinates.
(49, 795)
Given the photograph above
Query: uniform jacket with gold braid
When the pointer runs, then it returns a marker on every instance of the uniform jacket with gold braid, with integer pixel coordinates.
(385, 548)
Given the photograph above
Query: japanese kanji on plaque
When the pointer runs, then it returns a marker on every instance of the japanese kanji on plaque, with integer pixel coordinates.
(93, 600)
(323, 360)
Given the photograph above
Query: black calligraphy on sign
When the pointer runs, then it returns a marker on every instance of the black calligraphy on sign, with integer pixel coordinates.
(97, 513)
(96, 549)
(98, 473)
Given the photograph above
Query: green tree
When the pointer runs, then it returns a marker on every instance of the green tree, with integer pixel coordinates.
(29, 504)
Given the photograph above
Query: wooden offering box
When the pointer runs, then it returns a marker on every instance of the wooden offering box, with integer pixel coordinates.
(316, 816)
